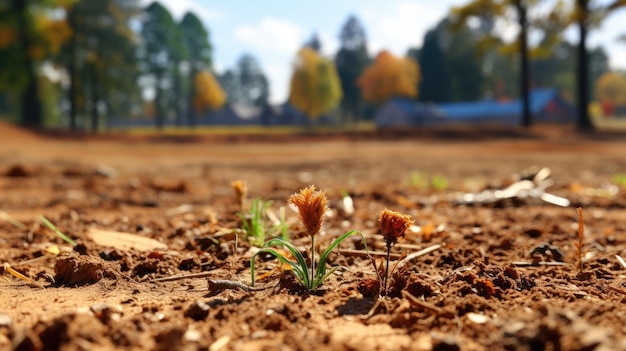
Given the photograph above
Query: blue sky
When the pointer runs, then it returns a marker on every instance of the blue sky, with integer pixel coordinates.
(273, 30)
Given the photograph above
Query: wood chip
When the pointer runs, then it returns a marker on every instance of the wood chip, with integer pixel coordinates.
(477, 318)
(124, 241)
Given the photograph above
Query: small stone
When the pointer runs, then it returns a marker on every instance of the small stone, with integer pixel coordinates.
(198, 311)
(477, 318)
(5, 320)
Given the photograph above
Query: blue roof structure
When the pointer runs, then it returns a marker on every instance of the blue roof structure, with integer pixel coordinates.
(504, 111)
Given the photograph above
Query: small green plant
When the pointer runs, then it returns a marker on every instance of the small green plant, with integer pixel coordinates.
(439, 183)
(619, 180)
(311, 206)
(57, 231)
(422, 180)
(254, 221)
(418, 180)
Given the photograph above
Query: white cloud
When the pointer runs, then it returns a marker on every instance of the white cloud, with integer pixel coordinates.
(399, 26)
(271, 34)
(280, 75)
(330, 44)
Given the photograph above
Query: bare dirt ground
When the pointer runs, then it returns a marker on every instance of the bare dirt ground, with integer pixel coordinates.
(480, 288)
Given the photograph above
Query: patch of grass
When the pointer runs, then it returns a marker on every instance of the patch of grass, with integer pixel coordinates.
(422, 180)
(309, 277)
(257, 225)
(311, 205)
(253, 221)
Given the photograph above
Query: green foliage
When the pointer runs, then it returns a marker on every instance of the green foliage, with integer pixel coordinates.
(435, 83)
(195, 38)
(162, 50)
(100, 59)
(254, 221)
(315, 88)
(619, 180)
(246, 84)
(351, 60)
(304, 274)
(258, 226)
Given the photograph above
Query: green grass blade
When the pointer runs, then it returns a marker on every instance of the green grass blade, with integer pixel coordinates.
(321, 268)
(297, 270)
(297, 254)
(57, 231)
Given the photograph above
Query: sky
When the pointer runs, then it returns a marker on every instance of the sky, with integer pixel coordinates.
(274, 30)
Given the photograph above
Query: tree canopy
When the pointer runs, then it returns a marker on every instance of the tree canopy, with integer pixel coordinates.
(351, 59)
(389, 76)
(246, 84)
(315, 88)
(208, 93)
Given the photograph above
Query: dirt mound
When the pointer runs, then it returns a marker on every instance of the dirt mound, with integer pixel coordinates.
(11, 133)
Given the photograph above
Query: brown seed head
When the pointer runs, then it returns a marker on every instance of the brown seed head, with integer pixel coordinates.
(393, 225)
(311, 206)
(241, 189)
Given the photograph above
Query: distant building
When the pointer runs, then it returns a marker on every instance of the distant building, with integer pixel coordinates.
(546, 105)
(404, 112)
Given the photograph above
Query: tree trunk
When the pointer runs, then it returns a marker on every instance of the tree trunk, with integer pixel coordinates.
(95, 114)
(158, 106)
(524, 71)
(71, 71)
(31, 115)
(191, 113)
(584, 121)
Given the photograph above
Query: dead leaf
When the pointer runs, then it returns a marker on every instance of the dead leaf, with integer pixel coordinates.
(124, 241)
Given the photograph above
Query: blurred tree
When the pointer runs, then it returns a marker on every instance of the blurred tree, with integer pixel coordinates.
(558, 69)
(315, 87)
(435, 83)
(30, 32)
(499, 9)
(314, 43)
(246, 84)
(389, 76)
(462, 65)
(254, 87)
(196, 40)
(588, 14)
(161, 52)
(100, 58)
(351, 60)
(230, 83)
(611, 91)
(208, 95)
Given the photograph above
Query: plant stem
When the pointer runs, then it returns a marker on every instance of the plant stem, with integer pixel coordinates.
(312, 259)
(387, 268)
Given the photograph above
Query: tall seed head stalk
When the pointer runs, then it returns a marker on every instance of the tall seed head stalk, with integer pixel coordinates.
(581, 238)
(392, 226)
(311, 205)
(241, 192)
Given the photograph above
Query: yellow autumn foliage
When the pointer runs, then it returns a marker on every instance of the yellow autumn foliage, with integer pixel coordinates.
(57, 32)
(315, 87)
(611, 89)
(208, 92)
(389, 76)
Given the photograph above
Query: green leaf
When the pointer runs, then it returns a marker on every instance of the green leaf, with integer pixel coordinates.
(321, 274)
